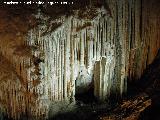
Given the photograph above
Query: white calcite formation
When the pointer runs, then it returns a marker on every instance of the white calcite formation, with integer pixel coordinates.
(68, 55)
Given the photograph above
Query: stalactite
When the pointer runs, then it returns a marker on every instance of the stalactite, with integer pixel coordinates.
(55, 66)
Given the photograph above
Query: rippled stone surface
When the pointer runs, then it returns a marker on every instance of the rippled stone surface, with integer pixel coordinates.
(50, 58)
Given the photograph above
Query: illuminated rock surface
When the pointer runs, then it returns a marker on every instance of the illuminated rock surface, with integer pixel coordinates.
(53, 58)
(144, 104)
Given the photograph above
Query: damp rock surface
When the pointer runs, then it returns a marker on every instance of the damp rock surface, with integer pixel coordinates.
(44, 60)
(144, 104)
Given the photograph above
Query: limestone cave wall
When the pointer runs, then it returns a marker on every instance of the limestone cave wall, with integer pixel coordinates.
(59, 57)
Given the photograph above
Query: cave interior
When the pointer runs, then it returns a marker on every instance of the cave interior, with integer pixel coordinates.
(88, 59)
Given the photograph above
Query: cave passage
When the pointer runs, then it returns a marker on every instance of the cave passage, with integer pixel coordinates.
(78, 61)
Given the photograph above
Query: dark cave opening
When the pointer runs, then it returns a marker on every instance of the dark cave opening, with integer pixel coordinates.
(87, 97)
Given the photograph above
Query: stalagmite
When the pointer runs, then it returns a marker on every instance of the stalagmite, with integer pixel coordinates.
(52, 64)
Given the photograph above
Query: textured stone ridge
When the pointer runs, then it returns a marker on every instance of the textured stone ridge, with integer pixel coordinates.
(51, 60)
(144, 104)
(130, 109)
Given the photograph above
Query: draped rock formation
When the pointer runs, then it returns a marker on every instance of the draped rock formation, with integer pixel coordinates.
(62, 56)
